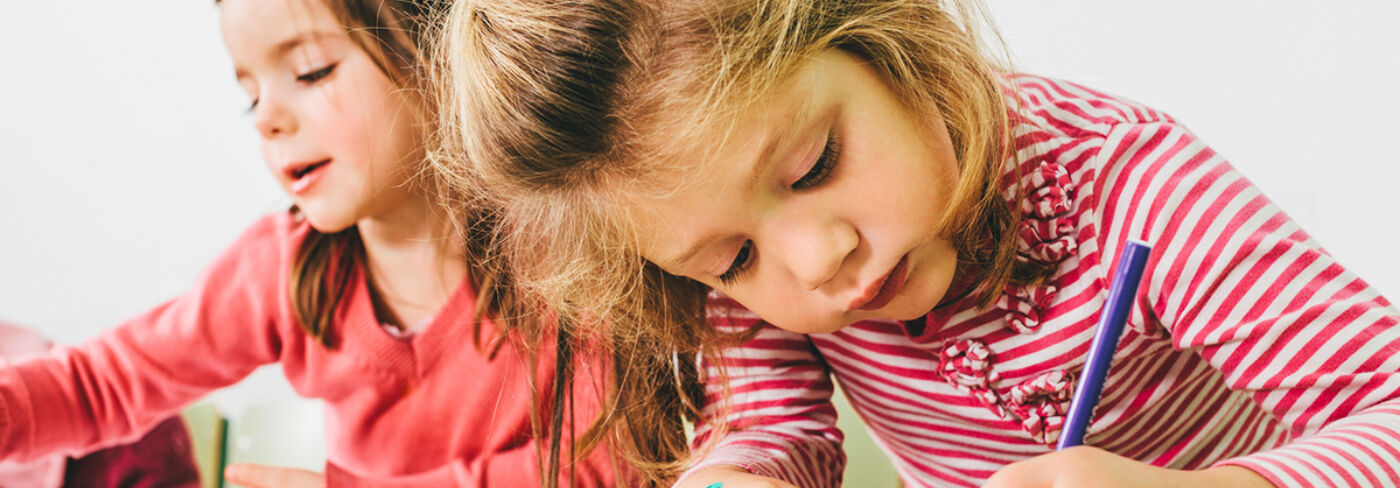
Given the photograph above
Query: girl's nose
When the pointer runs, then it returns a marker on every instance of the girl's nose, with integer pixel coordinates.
(272, 117)
(816, 252)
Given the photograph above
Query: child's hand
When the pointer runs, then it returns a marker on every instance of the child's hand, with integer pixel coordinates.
(730, 476)
(1085, 466)
(260, 476)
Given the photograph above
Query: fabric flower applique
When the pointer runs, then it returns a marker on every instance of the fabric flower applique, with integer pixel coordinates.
(967, 365)
(1047, 225)
(1025, 306)
(1040, 404)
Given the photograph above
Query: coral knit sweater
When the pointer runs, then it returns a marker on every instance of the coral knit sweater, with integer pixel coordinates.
(428, 410)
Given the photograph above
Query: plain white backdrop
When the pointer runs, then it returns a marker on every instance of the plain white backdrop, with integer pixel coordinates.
(127, 163)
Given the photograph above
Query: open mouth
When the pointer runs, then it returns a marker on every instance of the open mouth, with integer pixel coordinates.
(301, 171)
(879, 294)
(305, 175)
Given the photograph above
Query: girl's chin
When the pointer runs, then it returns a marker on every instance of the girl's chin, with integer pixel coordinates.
(919, 299)
(810, 324)
(326, 224)
(909, 315)
(819, 329)
(909, 306)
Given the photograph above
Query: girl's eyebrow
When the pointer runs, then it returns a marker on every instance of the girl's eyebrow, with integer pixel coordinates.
(685, 257)
(282, 48)
(796, 119)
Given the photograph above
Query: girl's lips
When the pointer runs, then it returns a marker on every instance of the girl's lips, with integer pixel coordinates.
(305, 176)
(884, 290)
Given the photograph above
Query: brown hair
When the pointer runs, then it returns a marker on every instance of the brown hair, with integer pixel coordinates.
(392, 33)
(562, 106)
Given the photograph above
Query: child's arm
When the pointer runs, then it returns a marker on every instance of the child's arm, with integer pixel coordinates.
(782, 423)
(1236, 280)
(113, 387)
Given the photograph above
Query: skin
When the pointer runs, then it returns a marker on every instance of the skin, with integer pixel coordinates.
(1090, 467)
(366, 126)
(258, 476)
(816, 250)
(316, 96)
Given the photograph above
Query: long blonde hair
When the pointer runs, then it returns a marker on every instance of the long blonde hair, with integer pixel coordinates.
(561, 107)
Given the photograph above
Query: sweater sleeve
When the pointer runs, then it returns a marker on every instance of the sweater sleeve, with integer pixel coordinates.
(1235, 280)
(781, 423)
(113, 387)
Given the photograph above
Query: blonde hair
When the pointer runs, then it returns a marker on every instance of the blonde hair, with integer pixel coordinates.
(560, 107)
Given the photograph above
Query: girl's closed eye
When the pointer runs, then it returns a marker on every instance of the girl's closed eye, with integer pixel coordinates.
(819, 173)
(316, 75)
(743, 261)
(310, 78)
(822, 168)
(250, 88)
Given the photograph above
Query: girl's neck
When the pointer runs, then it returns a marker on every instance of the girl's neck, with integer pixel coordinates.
(413, 261)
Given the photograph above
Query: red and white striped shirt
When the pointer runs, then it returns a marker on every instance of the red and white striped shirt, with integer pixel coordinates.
(1250, 345)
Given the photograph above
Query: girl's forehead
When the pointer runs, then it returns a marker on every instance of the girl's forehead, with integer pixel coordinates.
(708, 158)
(258, 32)
(271, 21)
(740, 124)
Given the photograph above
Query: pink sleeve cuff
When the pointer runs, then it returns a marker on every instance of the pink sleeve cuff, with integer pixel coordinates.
(15, 440)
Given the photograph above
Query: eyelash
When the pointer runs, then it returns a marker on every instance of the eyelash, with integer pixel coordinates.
(823, 167)
(815, 176)
(742, 262)
(317, 75)
(308, 78)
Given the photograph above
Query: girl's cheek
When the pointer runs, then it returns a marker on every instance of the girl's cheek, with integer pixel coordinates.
(270, 160)
(335, 124)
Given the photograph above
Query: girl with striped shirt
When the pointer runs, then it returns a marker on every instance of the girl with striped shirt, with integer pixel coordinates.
(797, 190)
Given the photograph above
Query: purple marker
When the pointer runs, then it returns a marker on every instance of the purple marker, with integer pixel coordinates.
(1121, 295)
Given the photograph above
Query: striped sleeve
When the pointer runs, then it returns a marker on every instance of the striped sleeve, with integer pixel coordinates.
(781, 423)
(1237, 281)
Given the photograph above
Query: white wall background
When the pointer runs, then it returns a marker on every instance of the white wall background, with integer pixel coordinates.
(1300, 96)
(126, 163)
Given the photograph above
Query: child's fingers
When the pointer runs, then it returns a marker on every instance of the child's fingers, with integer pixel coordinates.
(727, 476)
(260, 476)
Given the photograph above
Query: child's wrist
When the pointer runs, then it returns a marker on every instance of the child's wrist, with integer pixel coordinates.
(1230, 477)
(728, 476)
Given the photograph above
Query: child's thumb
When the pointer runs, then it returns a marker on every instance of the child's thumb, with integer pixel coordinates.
(260, 476)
